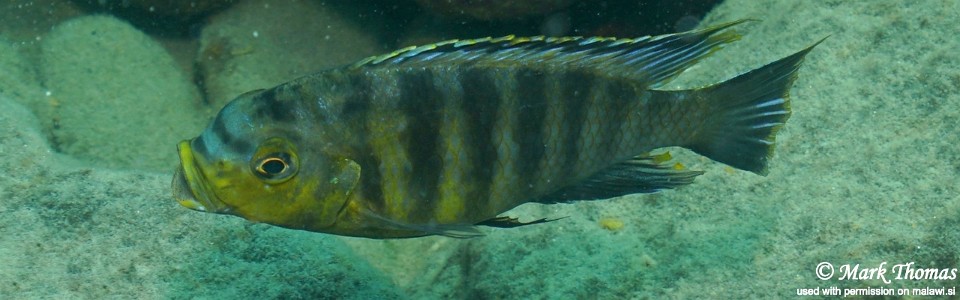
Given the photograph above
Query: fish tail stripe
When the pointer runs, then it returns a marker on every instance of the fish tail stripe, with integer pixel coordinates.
(421, 104)
(480, 105)
(530, 127)
(748, 109)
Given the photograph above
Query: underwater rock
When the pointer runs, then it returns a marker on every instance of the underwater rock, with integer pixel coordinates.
(423, 268)
(121, 101)
(159, 16)
(582, 263)
(19, 82)
(96, 233)
(24, 149)
(259, 44)
(494, 9)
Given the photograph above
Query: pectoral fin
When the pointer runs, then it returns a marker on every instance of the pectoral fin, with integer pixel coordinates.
(460, 231)
(344, 178)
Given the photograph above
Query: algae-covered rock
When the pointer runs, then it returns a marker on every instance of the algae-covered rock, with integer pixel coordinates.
(259, 44)
(122, 101)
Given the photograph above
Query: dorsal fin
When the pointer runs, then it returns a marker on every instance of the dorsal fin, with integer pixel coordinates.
(653, 60)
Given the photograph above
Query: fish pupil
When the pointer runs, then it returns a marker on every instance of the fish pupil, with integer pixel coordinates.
(272, 166)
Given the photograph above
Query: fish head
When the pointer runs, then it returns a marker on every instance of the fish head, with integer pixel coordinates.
(240, 166)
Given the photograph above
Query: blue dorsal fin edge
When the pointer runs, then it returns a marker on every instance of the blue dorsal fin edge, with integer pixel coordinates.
(653, 59)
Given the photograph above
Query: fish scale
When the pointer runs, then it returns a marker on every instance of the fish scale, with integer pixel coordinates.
(503, 136)
(551, 166)
(436, 139)
(454, 181)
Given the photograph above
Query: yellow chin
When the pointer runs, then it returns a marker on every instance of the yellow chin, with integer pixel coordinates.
(189, 187)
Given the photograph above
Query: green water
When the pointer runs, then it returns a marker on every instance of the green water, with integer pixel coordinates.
(864, 173)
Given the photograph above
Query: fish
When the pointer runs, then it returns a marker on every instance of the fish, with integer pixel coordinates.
(440, 139)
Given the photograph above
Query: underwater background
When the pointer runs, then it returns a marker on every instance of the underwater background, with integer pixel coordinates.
(94, 96)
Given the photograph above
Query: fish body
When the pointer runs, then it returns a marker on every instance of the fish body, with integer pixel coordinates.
(439, 138)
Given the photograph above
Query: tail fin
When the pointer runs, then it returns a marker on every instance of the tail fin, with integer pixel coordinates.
(746, 113)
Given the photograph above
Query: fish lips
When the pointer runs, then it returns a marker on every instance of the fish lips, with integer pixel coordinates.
(188, 182)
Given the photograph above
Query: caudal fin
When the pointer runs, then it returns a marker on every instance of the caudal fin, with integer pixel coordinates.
(746, 112)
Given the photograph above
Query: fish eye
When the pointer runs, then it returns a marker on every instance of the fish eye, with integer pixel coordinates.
(272, 166)
(275, 167)
(275, 160)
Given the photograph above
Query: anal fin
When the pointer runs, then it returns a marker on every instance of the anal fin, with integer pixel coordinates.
(641, 174)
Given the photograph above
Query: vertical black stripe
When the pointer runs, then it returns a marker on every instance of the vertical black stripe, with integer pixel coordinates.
(576, 94)
(532, 112)
(421, 103)
(357, 106)
(618, 95)
(199, 146)
(481, 100)
(269, 105)
(222, 133)
(657, 106)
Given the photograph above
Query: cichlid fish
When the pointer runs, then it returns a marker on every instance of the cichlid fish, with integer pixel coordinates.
(436, 139)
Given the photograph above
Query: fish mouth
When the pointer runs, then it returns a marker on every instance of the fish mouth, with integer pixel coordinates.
(189, 186)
